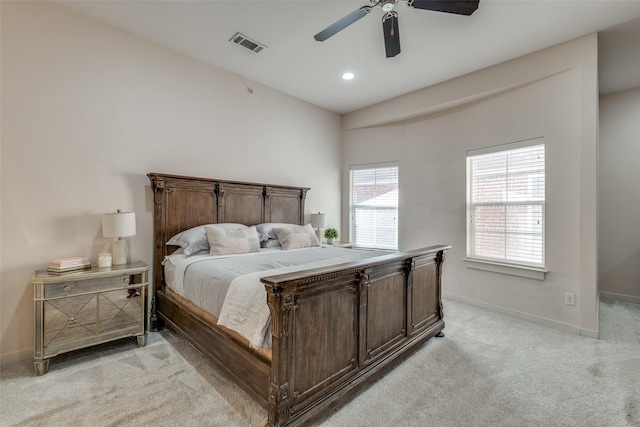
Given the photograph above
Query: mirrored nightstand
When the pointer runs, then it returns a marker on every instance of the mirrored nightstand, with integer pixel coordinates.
(78, 310)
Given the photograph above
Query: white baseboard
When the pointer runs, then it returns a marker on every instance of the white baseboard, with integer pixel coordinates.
(525, 316)
(620, 297)
(23, 355)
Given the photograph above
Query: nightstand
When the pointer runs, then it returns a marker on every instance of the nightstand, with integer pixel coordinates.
(78, 310)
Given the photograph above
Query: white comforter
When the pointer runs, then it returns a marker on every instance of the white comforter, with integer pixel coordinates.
(229, 287)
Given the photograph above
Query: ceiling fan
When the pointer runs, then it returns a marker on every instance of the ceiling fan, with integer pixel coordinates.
(390, 18)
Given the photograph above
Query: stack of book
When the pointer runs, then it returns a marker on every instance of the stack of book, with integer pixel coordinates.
(68, 265)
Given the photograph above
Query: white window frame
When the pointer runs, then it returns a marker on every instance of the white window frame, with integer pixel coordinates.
(506, 265)
(352, 208)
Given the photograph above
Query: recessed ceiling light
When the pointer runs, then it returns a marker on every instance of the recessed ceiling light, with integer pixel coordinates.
(348, 76)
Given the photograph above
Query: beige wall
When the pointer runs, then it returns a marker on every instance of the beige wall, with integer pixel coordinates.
(619, 197)
(553, 94)
(88, 111)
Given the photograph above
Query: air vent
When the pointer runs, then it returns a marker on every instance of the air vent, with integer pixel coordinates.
(245, 41)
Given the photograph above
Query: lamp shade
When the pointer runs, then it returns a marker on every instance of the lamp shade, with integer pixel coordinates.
(120, 224)
(319, 220)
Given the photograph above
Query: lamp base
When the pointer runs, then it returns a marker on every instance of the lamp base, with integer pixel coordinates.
(319, 233)
(120, 252)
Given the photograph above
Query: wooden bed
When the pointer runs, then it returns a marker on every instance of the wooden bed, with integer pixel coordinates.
(335, 330)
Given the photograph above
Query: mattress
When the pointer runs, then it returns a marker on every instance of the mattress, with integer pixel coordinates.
(229, 288)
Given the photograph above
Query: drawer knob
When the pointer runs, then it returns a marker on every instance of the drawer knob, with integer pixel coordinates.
(72, 321)
(67, 288)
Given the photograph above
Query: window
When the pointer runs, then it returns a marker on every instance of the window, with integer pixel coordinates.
(374, 206)
(505, 203)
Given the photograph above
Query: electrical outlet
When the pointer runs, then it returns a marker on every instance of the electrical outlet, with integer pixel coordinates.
(570, 298)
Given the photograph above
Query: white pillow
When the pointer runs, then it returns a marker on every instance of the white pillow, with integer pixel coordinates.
(296, 237)
(226, 241)
(265, 230)
(195, 240)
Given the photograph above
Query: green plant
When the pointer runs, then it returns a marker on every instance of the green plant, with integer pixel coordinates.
(330, 233)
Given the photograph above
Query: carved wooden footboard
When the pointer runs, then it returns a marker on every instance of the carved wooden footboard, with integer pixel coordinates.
(336, 330)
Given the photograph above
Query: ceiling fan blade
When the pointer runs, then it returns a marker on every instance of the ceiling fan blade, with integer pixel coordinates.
(342, 23)
(391, 34)
(459, 7)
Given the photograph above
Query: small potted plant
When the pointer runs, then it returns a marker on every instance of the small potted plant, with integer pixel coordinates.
(330, 234)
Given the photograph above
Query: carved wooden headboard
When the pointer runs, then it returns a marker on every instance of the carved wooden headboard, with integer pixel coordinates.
(183, 202)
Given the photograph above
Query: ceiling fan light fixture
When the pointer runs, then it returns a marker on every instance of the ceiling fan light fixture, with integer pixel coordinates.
(388, 5)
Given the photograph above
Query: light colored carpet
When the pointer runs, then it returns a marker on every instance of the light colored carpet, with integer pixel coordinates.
(495, 370)
(489, 370)
(166, 383)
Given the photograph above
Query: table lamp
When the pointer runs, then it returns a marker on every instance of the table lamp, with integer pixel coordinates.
(319, 222)
(119, 225)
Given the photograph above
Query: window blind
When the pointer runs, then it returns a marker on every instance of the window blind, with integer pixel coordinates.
(505, 203)
(374, 206)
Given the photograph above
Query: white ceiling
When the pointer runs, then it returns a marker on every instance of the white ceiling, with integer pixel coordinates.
(435, 46)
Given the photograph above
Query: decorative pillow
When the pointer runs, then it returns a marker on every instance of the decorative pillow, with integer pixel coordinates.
(271, 243)
(195, 240)
(226, 241)
(295, 237)
(265, 230)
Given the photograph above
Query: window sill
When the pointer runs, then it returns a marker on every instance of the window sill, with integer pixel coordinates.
(514, 270)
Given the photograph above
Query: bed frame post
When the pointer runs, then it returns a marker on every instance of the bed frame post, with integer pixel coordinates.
(266, 206)
(281, 307)
(157, 185)
(439, 261)
(303, 195)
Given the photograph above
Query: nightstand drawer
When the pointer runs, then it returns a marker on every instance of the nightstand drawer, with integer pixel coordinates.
(69, 288)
